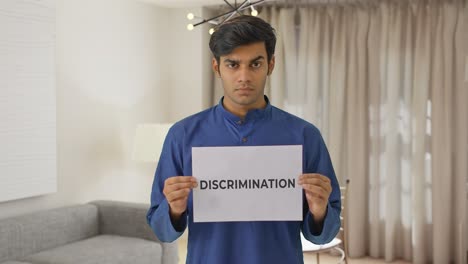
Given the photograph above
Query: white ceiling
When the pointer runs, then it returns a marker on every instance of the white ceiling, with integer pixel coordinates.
(188, 3)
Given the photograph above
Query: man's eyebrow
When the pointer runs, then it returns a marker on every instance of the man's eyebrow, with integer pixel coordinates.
(227, 60)
(258, 58)
(231, 61)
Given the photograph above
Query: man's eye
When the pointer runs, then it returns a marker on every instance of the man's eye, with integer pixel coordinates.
(232, 65)
(256, 65)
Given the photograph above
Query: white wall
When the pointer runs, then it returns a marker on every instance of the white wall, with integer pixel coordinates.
(112, 73)
(111, 70)
(190, 74)
(119, 63)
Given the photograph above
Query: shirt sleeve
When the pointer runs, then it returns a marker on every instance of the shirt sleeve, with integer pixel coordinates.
(317, 160)
(170, 164)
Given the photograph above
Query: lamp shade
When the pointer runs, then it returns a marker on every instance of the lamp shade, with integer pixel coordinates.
(149, 140)
(466, 68)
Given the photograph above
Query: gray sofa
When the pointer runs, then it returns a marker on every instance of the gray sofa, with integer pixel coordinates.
(97, 232)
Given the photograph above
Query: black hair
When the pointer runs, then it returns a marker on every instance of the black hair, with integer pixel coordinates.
(242, 30)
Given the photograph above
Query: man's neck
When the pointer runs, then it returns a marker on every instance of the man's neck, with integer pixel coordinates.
(241, 111)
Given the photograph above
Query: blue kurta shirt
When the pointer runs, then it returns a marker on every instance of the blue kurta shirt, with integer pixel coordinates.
(258, 242)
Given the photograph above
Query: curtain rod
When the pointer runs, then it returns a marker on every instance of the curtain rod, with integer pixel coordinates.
(313, 2)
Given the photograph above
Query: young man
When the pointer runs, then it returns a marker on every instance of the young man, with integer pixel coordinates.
(243, 50)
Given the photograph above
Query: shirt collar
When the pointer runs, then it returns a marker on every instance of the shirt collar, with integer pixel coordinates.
(254, 114)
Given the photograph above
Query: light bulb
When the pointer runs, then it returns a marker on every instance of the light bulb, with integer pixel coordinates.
(254, 12)
(190, 26)
(190, 16)
(211, 31)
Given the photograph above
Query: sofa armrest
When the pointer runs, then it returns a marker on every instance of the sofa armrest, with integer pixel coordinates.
(129, 219)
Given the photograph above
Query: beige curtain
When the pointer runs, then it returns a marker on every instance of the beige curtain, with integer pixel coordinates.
(384, 81)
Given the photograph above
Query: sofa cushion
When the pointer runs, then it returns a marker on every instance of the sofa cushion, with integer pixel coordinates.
(101, 250)
(27, 234)
(15, 262)
(124, 219)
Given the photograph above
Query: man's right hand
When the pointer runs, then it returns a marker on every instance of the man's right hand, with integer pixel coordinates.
(177, 190)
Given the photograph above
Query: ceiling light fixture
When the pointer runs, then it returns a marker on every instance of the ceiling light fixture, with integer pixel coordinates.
(220, 19)
(254, 11)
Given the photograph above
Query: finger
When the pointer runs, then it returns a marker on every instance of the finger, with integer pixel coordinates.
(178, 186)
(317, 182)
(316, 190)
(178, 201)
(176, 195)
(169, 192)
(314, 176)
(315, 199)
(180, 195)
(179, 179)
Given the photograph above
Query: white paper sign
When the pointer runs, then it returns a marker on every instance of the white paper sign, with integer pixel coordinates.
(247, 183)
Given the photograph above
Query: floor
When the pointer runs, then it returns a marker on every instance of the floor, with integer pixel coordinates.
(309, 258)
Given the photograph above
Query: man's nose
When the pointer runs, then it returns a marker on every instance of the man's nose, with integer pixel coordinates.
(244, 74)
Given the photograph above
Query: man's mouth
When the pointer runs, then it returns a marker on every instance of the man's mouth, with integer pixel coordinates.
(244, 89)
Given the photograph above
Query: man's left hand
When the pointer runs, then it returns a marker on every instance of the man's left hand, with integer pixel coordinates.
(317, 190)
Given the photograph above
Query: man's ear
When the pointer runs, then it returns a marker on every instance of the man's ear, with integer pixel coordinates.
(215, 66)
(271, 65)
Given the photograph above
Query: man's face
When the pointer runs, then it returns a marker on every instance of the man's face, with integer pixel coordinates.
(243, 73)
